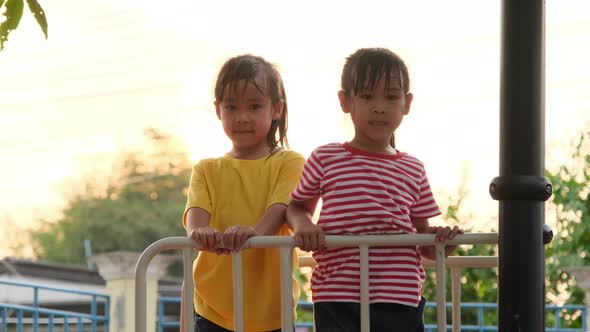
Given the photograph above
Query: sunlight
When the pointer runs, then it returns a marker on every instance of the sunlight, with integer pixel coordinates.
(110, 69)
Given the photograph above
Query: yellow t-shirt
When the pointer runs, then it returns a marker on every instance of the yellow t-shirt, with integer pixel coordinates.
(237, 191)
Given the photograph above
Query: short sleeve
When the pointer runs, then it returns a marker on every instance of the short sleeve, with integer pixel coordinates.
(198, 191)
(287, 179)
(425, 207)
(310, 181)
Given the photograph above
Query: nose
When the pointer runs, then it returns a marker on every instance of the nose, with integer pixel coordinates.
(242, 117)
(379, 108)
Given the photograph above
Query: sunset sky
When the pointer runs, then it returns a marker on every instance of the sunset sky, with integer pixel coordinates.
(111, 69)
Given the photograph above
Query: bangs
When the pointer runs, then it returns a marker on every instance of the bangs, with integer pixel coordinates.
(372, 68)
(232, 76)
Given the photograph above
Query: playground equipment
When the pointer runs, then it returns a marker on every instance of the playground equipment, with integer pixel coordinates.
(286, 244)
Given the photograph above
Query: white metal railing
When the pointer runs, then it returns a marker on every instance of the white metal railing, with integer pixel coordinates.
(286, 245)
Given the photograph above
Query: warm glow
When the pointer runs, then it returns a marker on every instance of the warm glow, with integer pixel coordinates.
(111, 69)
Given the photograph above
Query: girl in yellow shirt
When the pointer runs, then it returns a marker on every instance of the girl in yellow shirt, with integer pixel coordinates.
(242, 194)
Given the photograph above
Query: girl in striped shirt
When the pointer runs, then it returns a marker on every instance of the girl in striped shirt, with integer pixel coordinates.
(367, 187)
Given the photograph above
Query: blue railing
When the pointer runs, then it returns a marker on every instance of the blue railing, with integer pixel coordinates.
(482, 325)
(20, 315)
(466, 307)
(162, 322)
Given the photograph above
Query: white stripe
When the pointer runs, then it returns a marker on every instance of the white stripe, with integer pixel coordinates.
(373, 289)
(338, 280)
(392, 170)
(313, 171)
(375, 261)
(385, 188)
(338, 268)
(417, 209)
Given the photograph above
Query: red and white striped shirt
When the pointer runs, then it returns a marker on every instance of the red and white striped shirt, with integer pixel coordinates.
(367, 193)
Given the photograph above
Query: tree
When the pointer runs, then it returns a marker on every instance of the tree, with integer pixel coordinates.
(477, 284)
(141, 204)
(13, 10)
(571, 200)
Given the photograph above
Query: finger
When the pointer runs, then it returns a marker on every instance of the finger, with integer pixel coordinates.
(298, 241)
(243, 240)
(235, 239)
(228, 239)
(209, 240)
(313, 241)
(438, 234)
(445, 233)
(193, 236)
(218, 240)
(306, 241)
(201, 240)
(454, 232)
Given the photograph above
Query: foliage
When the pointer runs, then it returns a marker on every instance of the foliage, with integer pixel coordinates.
(13, 11)
(142, 204)
(571, 242)
(477, 284)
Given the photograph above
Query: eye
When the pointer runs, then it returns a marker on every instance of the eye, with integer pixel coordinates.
(393, 97)
(254, 107)
(229, 107)
(365, 96)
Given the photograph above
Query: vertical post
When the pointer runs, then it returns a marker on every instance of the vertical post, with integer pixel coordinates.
(521, 187)
(189, 289)
(286, 254)
(160, 316)
(441, 301)
(365, 314)
(4, 322)
(238, 292)
(93, 312)
(107, 310)
(36, 312)
(456, 297)
(19, 321)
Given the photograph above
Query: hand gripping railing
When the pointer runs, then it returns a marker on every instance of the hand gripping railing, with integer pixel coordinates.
(286, 244)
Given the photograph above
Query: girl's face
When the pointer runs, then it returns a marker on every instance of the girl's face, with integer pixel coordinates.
(376, 113)
(246, 115)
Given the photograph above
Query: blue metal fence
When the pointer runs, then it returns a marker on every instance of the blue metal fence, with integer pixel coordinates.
(577, 312)
(477, 309)
(17, 316)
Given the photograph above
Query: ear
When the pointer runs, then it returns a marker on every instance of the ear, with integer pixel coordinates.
(217, 109)
(343, 101)
(277, 110)
(409, 98)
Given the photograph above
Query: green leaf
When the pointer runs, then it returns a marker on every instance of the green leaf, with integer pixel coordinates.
(14, 12)
(39, 14)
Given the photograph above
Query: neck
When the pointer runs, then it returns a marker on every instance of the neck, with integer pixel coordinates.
(251, 153)
(366, 144)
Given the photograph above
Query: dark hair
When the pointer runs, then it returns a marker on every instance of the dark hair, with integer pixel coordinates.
(367, 66)
(266, 78)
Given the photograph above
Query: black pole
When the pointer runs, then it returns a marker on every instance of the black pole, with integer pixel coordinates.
(521, 187)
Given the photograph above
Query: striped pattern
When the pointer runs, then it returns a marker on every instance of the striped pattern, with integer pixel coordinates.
(366, 193)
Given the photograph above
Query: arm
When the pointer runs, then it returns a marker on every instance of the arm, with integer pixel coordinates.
(269, 224)
(441, 234)
(308, 236)
(197, 228)
(272, 220)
